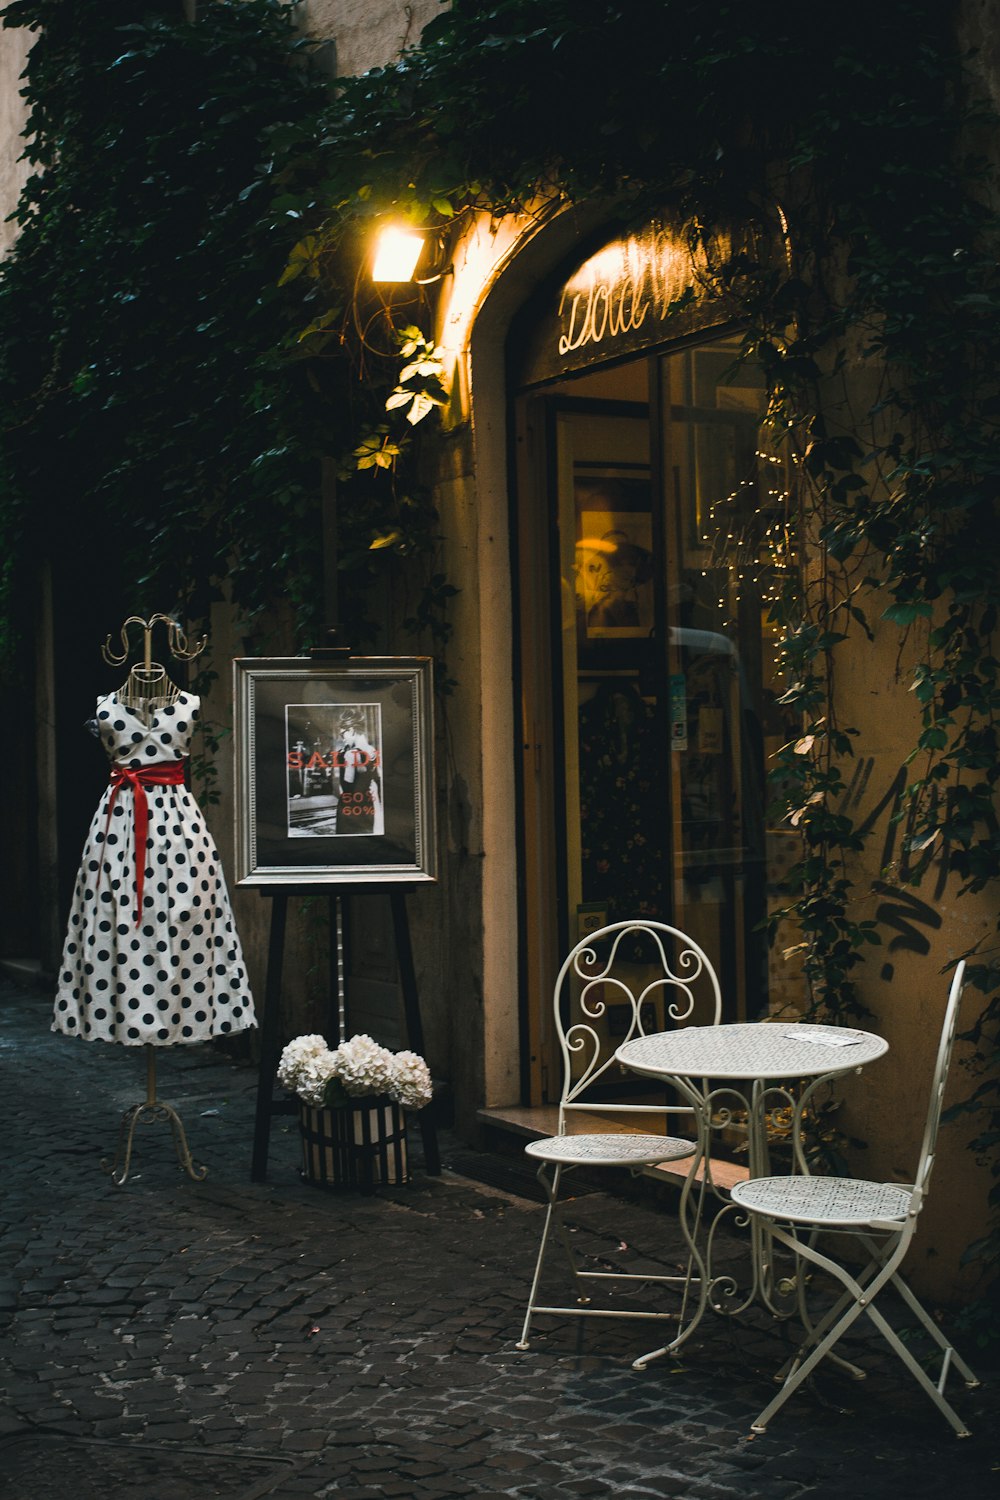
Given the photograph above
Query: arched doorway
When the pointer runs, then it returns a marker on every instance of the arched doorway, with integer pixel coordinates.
(645, 514)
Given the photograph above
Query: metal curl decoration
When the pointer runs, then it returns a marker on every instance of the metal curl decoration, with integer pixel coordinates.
(581, 1039)
(585, 967)
(675, 1010)
(682, 971)
(597, 1007)
(688, 956)
(176, 640)
(721, 1291)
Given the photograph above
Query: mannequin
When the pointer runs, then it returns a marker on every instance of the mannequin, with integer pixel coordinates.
(147, 689)
(152, 957)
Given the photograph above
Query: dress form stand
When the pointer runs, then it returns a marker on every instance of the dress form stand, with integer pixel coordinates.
(152, 1111)
(146, 690)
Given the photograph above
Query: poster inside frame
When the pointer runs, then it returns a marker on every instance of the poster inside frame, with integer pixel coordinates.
(613, 564)
(334, 771)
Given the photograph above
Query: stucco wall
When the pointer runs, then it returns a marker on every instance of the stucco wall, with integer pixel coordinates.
(979, 38)
(14, 46)
(495, 267)
(367, 33)
(903, 982)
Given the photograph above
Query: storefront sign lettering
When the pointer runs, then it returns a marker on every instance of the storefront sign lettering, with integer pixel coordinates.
(602, 310)
(638, 291)
(632, 284)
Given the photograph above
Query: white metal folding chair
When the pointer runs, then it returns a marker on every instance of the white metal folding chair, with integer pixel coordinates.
(882, 1216)
(625, 980)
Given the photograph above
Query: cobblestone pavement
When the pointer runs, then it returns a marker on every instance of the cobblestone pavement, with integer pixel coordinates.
(173, 1339)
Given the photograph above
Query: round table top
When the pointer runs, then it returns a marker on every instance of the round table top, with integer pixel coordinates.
(755, 1049)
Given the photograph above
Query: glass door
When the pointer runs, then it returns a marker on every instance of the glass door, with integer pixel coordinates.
(615, 807)
(710, 413)
(659, 544)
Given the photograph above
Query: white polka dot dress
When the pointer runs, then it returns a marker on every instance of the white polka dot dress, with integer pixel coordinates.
(151, 952)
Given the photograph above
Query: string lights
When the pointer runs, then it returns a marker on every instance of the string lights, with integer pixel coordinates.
(750, 537)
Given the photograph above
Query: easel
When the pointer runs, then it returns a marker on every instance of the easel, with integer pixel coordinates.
(339, 907)
(268, 1022)
(270, 1039)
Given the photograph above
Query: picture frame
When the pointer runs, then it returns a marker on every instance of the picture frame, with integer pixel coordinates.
(613, 554)
(334, 771)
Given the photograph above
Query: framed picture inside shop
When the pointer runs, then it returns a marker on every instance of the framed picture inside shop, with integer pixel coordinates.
(334, 771)
(613, 556)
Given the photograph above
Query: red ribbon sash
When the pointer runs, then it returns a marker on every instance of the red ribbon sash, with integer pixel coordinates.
(139, 780)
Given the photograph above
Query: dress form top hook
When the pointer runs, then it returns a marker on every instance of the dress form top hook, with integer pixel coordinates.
(147, 686)
(176, 641)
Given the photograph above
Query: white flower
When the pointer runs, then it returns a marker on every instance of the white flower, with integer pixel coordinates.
(313, 1081)
(411, 1085)
(358, 1067)
(363, 1067)
(304, 1062)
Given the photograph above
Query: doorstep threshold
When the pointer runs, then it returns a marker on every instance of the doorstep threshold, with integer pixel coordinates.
(531, 1122)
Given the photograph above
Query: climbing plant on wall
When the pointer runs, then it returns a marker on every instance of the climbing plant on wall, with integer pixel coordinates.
(157, 423)
(139, 326)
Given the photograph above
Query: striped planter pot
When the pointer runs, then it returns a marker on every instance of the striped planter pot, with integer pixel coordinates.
(361, 1145)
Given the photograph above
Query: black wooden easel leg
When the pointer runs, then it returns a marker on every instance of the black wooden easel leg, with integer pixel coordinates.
(270, 1037)
(414, 1026)
(270, 1019)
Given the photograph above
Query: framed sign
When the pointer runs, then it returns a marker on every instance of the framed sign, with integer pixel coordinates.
(334, 771)
(613, 563)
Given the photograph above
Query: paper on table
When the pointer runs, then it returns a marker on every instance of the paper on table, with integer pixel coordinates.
(821, 1041)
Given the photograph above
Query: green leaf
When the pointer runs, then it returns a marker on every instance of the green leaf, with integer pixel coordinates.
(905, 613)
(422, 406)
(304, 257)
(933, 739)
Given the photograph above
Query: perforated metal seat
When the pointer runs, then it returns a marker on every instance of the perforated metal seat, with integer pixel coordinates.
(610, 1150)
(647, 976)
(826, 1202)
(882, 1218)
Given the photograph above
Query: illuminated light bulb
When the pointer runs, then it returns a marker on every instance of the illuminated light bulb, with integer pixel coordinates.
(397, 251)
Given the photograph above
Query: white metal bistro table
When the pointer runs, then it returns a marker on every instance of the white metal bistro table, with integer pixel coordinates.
(743, 1075)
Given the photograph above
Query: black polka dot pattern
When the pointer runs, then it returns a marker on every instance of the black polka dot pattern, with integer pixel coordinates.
(180, 975)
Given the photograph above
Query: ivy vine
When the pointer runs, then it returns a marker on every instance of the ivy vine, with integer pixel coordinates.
(166, 417)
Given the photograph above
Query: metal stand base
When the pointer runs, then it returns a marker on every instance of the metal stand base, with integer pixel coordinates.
(151, 1112)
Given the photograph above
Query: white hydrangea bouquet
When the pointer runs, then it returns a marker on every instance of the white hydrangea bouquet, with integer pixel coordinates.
(359, 1068)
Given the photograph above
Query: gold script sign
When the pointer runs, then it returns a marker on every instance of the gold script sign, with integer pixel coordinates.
(635, 292)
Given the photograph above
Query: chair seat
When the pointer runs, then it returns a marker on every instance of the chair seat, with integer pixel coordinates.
(834, 1201)
(612, 1150)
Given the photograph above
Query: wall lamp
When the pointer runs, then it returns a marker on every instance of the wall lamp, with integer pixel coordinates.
(399, 251)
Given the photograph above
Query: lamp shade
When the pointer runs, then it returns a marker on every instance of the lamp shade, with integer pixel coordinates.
(396, 254)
